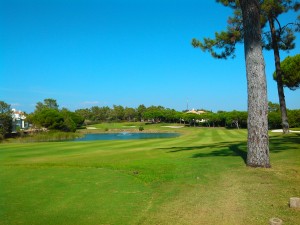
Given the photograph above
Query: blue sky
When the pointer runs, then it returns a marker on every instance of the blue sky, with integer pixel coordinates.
(85, 53)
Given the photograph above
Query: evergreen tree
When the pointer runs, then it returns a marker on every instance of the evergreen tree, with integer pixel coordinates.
(278, 38)
(290, 68)
(5, 119)
(246, 26)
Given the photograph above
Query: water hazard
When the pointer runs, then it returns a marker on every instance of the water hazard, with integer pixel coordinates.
(125, 136)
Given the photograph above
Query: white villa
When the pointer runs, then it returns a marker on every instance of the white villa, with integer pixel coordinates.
(18, 120)
(196, 112)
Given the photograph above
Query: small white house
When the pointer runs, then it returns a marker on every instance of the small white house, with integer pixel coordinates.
(196, 111)
(18, 118)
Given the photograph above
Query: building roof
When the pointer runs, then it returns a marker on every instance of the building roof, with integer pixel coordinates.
(196, 111)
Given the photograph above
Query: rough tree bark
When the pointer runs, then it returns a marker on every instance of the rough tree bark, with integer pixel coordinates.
(284, 118)
(258, 139)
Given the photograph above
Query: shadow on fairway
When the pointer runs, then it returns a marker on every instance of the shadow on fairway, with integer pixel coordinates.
(223, 149)
(277, 144)
(227, 150)
(283, 142)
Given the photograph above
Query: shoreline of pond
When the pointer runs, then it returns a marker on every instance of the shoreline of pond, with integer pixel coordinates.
(125, 136)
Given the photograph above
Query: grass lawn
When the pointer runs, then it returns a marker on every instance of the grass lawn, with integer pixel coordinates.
(197, 178)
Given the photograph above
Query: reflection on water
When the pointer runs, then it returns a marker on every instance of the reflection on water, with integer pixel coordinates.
(125, 136)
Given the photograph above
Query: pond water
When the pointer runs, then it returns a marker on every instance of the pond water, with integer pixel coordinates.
(125, 136)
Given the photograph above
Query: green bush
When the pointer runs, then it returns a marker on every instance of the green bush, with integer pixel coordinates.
(141, 128)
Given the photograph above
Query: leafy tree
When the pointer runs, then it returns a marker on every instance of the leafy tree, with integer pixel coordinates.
(129, 113)
(68, 125)
(74, 117)
(4, 108)
(281, 38)
(191, 118)
(290, 68)
(49, 103)
(98, 114)
(237, 118)
(48, 118)
(171, 116)
(274, 120)
(5, 119)
(273, 107)
(278, 38)
(140, 112)
(245, 26)
(85, 114)
(118, 112)
(155, 113)
(294, 116)
(214, 119)
(274, 117)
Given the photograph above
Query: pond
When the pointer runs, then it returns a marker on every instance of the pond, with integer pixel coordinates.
(125, 136)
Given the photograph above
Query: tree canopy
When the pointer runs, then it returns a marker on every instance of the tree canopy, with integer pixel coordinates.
(223, 45)
(48, 115)
(5, 119)
(245, 26)
(48, 103)
(279, 37)
(290, 67)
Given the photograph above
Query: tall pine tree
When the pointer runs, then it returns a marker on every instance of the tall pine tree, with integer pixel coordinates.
(279, 37)
(248, 12)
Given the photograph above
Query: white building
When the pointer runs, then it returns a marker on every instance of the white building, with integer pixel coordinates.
(196, 111)
(18, 120)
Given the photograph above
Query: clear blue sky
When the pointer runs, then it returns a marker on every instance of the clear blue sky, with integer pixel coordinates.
(85, 53)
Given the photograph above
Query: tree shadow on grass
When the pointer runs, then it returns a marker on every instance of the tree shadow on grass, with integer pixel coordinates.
(236, 149)
(277, 144)
(281, 143)
(223, 149)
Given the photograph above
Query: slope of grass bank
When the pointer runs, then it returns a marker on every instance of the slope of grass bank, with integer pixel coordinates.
(197, 178)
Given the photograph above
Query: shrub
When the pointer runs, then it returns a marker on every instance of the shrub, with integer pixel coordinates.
(141, 128)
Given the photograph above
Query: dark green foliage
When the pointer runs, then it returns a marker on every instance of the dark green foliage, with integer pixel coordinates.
(5, 124)
(223, 44)
(77, 119)
(279, 37)
(118, 113)
(48, 103)
(294, 118)
(274, 120)
(5, 119)
(290, 68)
(273, 107)
(232, 119)
(236, 119)
(49, 116)
(69, 125)
(130, 114)
(140, 112)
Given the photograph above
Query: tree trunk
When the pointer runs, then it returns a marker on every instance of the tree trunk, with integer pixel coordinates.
(258, 139)
(284, 118)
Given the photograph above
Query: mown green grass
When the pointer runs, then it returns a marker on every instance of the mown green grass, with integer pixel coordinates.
(197, 178)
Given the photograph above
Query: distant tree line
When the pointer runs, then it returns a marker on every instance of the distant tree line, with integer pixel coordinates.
(48, 115)
(119, 113)
(154, 114)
